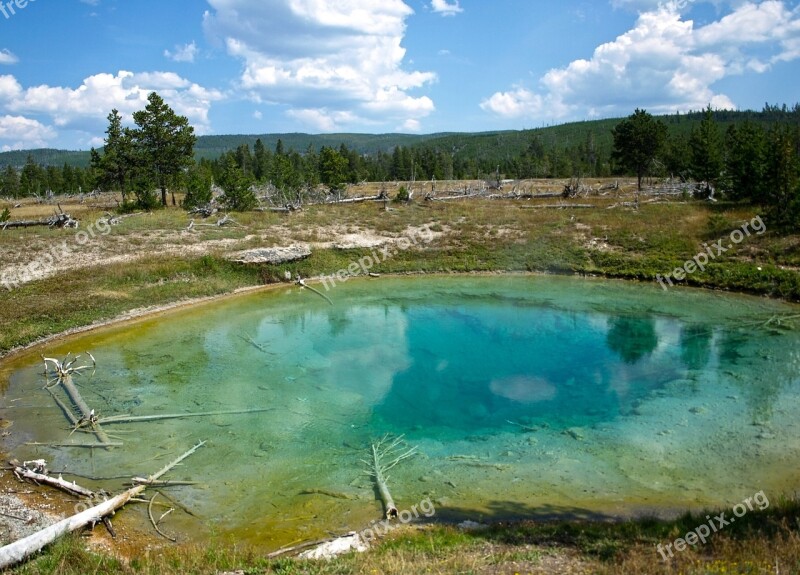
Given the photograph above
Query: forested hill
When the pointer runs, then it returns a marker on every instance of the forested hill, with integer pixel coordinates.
(483, 148)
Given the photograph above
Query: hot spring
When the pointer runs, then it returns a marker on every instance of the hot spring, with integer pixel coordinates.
(524, 396)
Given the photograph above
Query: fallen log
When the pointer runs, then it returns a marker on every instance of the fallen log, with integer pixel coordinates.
(301, 282)
(382, 451)
(80, 445)
(40, 476)
(15, 552)
(358, 200)
(288, 208)
(67, 411)
(61, 220)
(446, 198)
(63, 371)
(136, 418)
(87, 415)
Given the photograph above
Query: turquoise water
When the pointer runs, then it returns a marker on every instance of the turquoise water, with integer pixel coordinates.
(525, 396)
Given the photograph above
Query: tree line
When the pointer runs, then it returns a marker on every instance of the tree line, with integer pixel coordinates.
(752, 159)
(747, 162)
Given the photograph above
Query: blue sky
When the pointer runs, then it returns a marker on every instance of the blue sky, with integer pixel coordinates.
(414, 66)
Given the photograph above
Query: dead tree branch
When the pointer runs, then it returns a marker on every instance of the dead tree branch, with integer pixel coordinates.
(387, 454)
(36, 471)
(61, 374)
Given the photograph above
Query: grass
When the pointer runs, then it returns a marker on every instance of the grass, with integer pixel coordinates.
(156, 261)
(761, 542)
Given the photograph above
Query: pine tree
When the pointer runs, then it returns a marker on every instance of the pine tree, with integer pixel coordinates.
(165, 142)
(746, 163)
(783, 176)
(115, 168)
(638, 140)
(10, 182)
(707, 160)
(198, 187)
(238, 196)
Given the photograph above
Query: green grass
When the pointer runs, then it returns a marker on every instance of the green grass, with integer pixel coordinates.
(760, 542)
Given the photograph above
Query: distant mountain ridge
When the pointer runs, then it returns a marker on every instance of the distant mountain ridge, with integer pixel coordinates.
(479, 145)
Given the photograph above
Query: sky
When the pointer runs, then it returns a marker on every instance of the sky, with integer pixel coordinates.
(379, 66)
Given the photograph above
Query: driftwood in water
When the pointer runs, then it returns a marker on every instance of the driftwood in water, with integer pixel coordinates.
(19, 550)
(255, 344)
(38, 474)
(154, 522)
(137, 418)
(385, 455)
(62, 375)
(302, 283)
(67, 411)
(76, 444)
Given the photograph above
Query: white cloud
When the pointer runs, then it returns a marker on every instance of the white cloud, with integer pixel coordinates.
(186, 53)
(126, 91)
(20, 133)
(10, 89)
(664, 64)
(84, 109)
(6, 57)
(331, 64)
(444, 8)
(322, 119)
(411, 125)
(516, 103)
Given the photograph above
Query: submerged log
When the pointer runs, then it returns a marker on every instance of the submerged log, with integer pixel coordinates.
(63, 371)
(395, 452)
(136, 418)
(87, 414)
(301, 282)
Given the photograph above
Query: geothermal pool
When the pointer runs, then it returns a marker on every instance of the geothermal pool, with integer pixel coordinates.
(524, 396)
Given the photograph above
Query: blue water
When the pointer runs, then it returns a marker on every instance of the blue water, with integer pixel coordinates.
(476, 367)
(523, 395)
